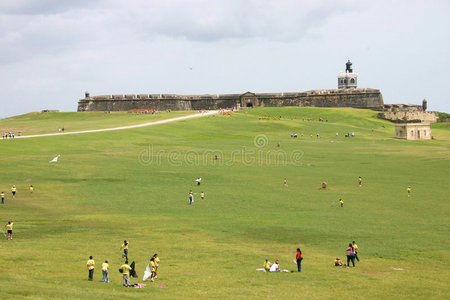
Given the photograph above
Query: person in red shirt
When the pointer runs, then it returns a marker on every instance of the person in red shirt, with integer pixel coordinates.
(299, 259)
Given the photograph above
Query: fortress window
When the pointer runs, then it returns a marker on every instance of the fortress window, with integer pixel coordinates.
(352, 80)
(345, 80)
(412, 132)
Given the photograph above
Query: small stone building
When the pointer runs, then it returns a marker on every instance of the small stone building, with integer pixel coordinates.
(413, 131)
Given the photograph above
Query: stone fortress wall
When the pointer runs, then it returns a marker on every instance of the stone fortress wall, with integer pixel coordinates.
(408, 113)
(352, 97)
(410, 117)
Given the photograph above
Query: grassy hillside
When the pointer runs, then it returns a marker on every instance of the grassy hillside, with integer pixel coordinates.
(50, 122)
(134, 183)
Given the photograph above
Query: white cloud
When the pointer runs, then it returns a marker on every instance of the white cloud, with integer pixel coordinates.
(53, 50)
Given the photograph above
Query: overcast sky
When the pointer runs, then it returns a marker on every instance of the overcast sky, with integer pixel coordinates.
(52, 51)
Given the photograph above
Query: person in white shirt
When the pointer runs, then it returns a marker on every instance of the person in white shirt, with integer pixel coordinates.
(275, 267)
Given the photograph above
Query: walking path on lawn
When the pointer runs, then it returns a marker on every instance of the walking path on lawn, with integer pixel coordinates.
(208, 113)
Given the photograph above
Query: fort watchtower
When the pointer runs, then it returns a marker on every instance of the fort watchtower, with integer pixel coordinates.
(348, 79)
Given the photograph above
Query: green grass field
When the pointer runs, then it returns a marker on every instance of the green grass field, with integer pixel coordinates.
(109, 186)
(50, 122)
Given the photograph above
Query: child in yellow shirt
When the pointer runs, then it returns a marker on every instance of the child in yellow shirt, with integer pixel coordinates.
(153, 269)
(125, 249)
(105, 267)
(9, 229)
(267, 265)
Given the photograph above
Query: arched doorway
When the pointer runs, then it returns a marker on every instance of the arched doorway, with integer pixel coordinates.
(249, 100)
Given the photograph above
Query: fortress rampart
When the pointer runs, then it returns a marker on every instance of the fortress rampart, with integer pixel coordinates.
(355, 97)
(410, 117)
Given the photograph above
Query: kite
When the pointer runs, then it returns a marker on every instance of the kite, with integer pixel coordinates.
(55, 159)
(147, 273)
(133, 271)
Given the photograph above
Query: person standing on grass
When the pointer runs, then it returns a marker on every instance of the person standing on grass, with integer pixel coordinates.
(125, 248)
(202, 195)
(9, 229)
(285, 182)
(126, 273)
(360, 181)
(191, 197)
(13, 191)
(299, 259)
(341, 202)
(409, 191)
(90, 266)
(156, 259)
(31, 189)
(355, 248)
(2, 195)
(153, 269)
(105, 267)
(350, 253)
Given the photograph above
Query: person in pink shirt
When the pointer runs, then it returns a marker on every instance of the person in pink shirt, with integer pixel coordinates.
(350, 253)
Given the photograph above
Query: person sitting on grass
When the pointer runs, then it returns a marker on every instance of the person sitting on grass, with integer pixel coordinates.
(338, 262)
(275, 267)
(267, 265)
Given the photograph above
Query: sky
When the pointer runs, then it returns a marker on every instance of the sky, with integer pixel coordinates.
(52, 51)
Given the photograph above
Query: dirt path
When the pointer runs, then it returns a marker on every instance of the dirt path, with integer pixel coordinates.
(212, 112)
